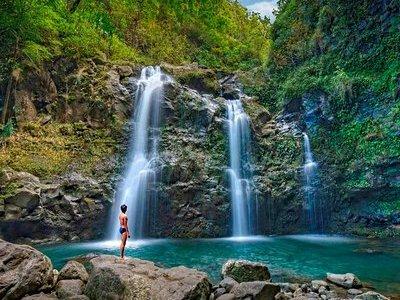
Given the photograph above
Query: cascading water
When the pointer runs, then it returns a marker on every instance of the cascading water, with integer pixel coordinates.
(240, 171)
(136, 189)
(313, 208)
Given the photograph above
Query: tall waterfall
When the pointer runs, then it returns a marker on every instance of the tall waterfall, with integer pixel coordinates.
(239, 171)
(314, 213)
(137, 188)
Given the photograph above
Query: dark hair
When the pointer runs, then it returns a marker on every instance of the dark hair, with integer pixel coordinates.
(124, 208)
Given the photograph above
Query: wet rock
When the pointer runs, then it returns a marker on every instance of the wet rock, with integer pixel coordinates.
(258, 290)
(242, 271)
(24, 271)
(113, 277)
(347, 280)
(228, 283)
(354, 292)
(69, 288)
(74, 270)
(371, 296)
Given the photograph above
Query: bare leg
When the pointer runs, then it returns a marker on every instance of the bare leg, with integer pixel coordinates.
(124, 236)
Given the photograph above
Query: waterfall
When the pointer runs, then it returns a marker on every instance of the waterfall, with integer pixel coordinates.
(137, 187)
(314, 213)
(239, 171)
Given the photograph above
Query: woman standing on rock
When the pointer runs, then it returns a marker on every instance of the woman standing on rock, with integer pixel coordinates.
(123, 229)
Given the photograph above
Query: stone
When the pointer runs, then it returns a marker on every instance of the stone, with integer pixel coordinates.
(312, 295)
(69, 288)
(24, 271)
(316, 284)
(347, 280)
(24, 198)
(40, 296)
(74, 270)
(219, 292)
(371, 296)
(257, 290)
(228, 283)
(244, 271)
(112, 277)
(125, 71)
(354, 292)
(227, 297)
(322, 290)
(78, 297)
(283, 296)
(331, 295)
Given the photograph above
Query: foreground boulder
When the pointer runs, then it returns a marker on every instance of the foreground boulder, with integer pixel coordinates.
(112, 278)
(257, 290)
(347, 280)
(69, 288)
(245, 271)
(23, 271)
(73, 270)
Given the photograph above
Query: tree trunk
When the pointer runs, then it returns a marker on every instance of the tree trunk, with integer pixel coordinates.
(5, 114)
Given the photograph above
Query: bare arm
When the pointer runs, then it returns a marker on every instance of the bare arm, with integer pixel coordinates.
(126, 225)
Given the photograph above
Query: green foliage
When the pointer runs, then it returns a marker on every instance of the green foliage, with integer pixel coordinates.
(335, 46)
(222, 35)
(7, 130)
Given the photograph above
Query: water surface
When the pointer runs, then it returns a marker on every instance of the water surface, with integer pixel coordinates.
(309, 256)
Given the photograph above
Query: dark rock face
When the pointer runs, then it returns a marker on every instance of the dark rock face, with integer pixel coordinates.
(24, 270)
(66, 209)
(192, 195)
(137, 279)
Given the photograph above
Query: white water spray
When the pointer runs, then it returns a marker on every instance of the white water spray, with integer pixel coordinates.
(137, 187)
(239, 171)
(310, 173)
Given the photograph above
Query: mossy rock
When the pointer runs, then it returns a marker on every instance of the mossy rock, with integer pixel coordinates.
(245, 271)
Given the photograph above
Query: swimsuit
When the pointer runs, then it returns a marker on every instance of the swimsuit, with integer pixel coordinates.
(122, 230)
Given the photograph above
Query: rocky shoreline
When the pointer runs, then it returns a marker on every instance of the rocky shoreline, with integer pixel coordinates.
(28, 274)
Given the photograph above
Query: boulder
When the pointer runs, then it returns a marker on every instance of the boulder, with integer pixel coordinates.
(243, 271)
(228, 283)
(24, 198)
(69, 288)
(74, 270)
(354, 292)
(112, 277)
(24, 271)
(219, 292)
(257, 290)
(371, 296)
(347, 280)
(40, 296)
(227, 297)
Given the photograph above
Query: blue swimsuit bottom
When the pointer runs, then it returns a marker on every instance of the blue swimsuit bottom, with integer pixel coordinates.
(122, 230)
